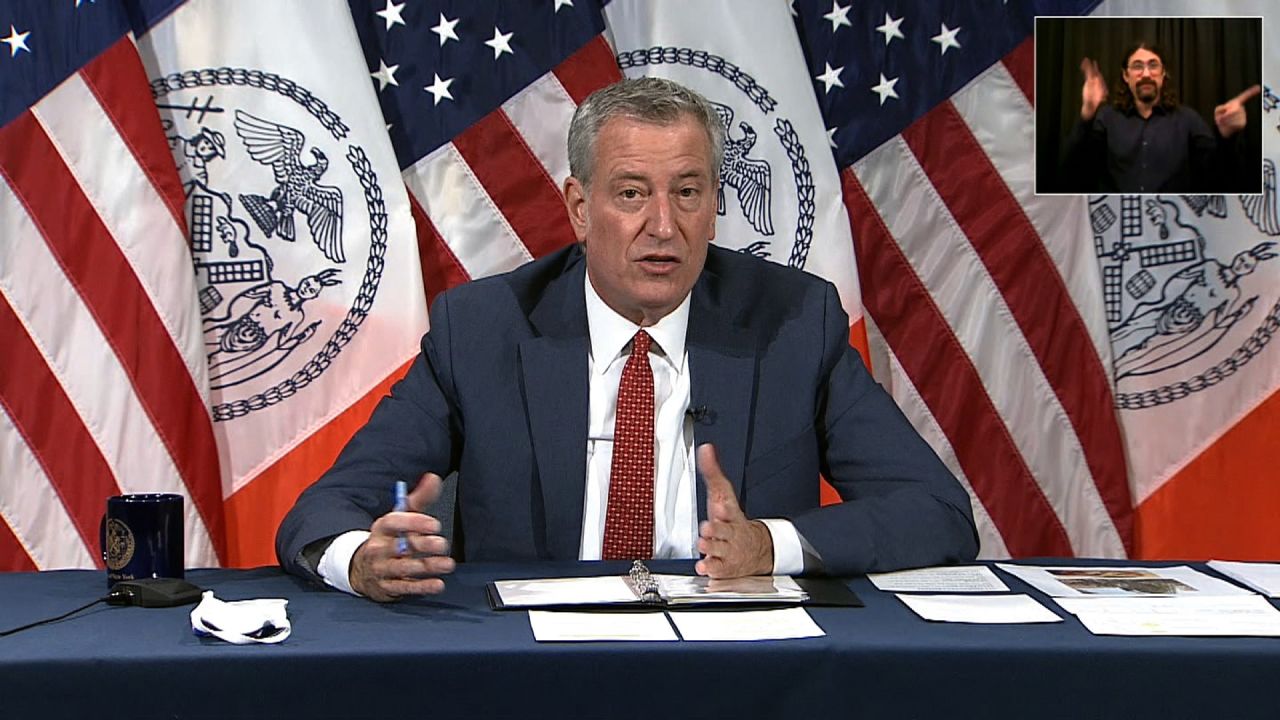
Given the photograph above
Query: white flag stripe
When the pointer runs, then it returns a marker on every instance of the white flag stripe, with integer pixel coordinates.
(1002, 121)
(541, 113)
(131, 209)
(831, 254)
(31, 507)
(894, 378)
(79, 356)
(461, 210)
(954, 275)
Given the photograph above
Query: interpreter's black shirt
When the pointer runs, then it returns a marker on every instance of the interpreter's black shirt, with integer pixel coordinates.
(1173, 151)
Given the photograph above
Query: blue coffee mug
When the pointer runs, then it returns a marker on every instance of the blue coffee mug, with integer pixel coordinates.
(141, 537)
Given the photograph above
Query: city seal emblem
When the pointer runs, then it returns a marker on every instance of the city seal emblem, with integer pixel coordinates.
(287, 226)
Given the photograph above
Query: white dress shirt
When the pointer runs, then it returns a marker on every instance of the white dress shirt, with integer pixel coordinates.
(675, 496)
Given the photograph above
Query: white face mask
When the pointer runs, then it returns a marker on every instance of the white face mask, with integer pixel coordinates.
(241, 622)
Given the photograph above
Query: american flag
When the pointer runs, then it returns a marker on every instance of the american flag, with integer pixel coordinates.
(983, 298)
(477, 97)
(103, 383)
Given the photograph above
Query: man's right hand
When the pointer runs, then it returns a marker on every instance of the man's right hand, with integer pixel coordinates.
(1094, 92)
(381, 573)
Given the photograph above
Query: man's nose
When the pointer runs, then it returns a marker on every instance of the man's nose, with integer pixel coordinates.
(661, 221)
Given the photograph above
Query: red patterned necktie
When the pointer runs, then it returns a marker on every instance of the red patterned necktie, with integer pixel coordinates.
(628, 521)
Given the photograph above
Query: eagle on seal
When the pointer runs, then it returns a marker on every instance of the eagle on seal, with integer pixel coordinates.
(750, 177)
(280, 148)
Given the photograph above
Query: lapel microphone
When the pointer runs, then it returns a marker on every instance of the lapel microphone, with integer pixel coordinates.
(701, 414)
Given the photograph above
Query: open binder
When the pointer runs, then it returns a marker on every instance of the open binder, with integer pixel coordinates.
(642, 590)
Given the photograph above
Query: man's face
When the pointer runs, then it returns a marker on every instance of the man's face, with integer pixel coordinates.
(649, 215)
(1144, 73)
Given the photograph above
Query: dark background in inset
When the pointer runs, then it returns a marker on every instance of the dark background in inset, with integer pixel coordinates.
(1209, 61)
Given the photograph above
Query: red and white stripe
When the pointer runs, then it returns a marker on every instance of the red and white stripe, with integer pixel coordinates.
(981, 291)
(103, 387)
(489, 201)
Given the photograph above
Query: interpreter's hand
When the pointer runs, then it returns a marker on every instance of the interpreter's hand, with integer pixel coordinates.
(379, 572)
(1229, 116)
(1094, 92)
(731, 544)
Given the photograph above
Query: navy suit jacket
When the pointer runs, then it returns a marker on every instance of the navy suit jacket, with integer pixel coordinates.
(499, 394)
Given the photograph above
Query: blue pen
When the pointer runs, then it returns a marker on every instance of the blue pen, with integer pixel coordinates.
(402, 504)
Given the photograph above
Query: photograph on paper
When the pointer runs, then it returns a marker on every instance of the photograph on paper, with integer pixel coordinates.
(1176, 581)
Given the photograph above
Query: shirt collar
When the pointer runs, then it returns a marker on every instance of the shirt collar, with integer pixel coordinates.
(610, 332)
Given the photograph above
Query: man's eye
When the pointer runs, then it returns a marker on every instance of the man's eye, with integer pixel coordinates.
(688, 192)
(630, 194)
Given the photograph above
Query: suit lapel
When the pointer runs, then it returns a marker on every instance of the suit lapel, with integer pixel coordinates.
(722, 367)
(554, 371)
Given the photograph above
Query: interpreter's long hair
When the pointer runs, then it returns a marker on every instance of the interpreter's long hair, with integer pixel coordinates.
(1122, 98)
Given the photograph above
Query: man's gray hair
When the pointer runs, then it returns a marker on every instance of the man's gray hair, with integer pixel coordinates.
(647, 99)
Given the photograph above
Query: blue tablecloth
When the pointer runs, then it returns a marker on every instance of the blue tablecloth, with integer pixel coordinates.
(453, 656)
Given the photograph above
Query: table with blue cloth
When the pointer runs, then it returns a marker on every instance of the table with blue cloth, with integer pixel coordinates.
(452, 656)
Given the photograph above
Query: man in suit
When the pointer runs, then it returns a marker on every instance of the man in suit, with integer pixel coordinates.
(526, 386)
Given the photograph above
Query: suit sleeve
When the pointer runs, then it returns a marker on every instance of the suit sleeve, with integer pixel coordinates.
(414, 430)
(901, 506)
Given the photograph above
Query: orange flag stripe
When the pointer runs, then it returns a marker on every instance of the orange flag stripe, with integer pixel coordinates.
(254, 511)
(1222, 504)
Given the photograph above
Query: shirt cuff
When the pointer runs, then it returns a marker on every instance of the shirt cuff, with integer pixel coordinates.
(335, 564)
(788, 555)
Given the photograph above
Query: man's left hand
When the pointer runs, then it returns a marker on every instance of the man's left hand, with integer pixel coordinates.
(731, 544)
(1229, 116)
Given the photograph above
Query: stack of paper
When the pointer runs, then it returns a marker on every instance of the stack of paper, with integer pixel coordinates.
(986, 609)
(784, 624)
(1263, 577)
(1153, 601)
(1250, 615)
(1176, 581)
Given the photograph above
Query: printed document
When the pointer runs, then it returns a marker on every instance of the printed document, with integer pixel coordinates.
(989, 609)
(784, 624)
(549, 626)
(1128, 582)
(1263, 577)
(1249, 615)
(951, 579)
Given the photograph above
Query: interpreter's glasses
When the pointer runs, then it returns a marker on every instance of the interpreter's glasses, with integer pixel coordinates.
(1152, 66)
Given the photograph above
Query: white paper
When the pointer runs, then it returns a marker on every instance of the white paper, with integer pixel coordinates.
(1250, 615)
(1130, 582)
(783, 624)
(992, 609)
(550, 626)
(1263, 577)
(961, 579)
(565, 591)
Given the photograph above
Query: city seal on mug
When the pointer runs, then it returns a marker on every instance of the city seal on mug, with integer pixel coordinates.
(120, 544)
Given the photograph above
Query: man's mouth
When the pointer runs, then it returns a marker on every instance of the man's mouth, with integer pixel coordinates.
(658, 263)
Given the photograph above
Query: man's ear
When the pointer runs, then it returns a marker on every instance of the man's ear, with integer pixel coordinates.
(575, 202)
